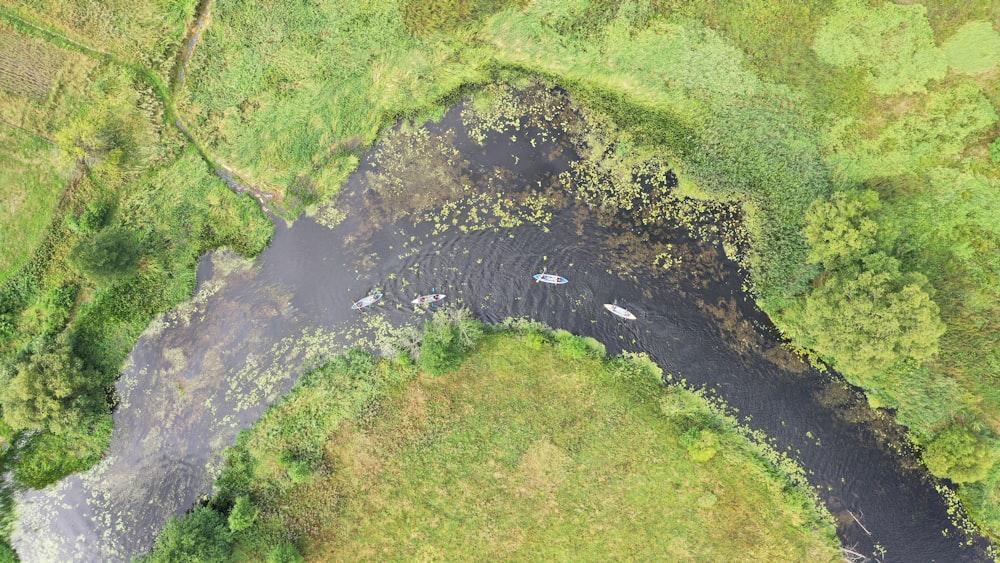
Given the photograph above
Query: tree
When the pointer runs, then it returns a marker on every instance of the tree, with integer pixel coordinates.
(868, 319)
(53, 391)
(959, 454)
(440, 350)
(243, 515)
(109, 255)
(200, 537)
(840, 230)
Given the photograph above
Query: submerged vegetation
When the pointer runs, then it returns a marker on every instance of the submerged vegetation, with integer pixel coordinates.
(859, 138)
(530, 445)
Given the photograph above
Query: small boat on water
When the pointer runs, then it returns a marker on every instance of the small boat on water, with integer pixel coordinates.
(425, 299)
(550, 278)
(367, 301)
(619, 311)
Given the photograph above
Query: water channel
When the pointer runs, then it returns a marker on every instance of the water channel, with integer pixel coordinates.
(471, 213)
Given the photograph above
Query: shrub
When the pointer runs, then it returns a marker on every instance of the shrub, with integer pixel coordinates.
(571, 346)
(297, 465)
(108, 256)
(960, 454)
(285, 553)
(440, 351)
(94, 217)
(447, 338)
(702, 444)
(299, 471)
(202, 536)
(995, 150)
(243, 515)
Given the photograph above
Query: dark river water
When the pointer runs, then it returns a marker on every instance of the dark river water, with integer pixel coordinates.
(476, 232)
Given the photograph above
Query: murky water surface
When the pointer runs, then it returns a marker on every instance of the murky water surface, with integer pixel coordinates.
(212, 366)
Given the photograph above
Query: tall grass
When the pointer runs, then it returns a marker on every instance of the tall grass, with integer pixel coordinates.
(29, 190)
(147, 33)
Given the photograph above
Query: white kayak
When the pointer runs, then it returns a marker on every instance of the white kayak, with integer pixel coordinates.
(366, 301)
(621, 312)
(550, 278)
(425, 299)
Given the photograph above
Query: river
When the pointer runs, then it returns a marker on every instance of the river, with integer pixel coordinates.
(438, 210)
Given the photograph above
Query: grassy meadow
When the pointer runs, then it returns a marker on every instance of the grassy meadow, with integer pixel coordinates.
(29, 191)
(145, 33)
(534, 447)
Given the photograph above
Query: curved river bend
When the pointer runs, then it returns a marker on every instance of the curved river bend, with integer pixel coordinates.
(211, 367)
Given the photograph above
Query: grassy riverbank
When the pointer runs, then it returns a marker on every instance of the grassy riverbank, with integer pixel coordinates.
(534, 446)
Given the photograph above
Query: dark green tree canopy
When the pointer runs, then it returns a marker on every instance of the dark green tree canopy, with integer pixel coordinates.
(108, 256)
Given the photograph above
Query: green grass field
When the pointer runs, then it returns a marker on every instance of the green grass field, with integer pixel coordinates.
(530, 450)
(147, 33)
(29, 191)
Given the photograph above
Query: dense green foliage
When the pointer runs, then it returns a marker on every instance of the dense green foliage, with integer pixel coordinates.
(959, 453)
(446, 340)
(869, 319)
(864, 313)
(243, 515)
(399, 467)
(842, 231)
(775, 104)
(894, 43)
(200, 537)
(92, 174)
(974, 48)
(109, 255)
(53, 391)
